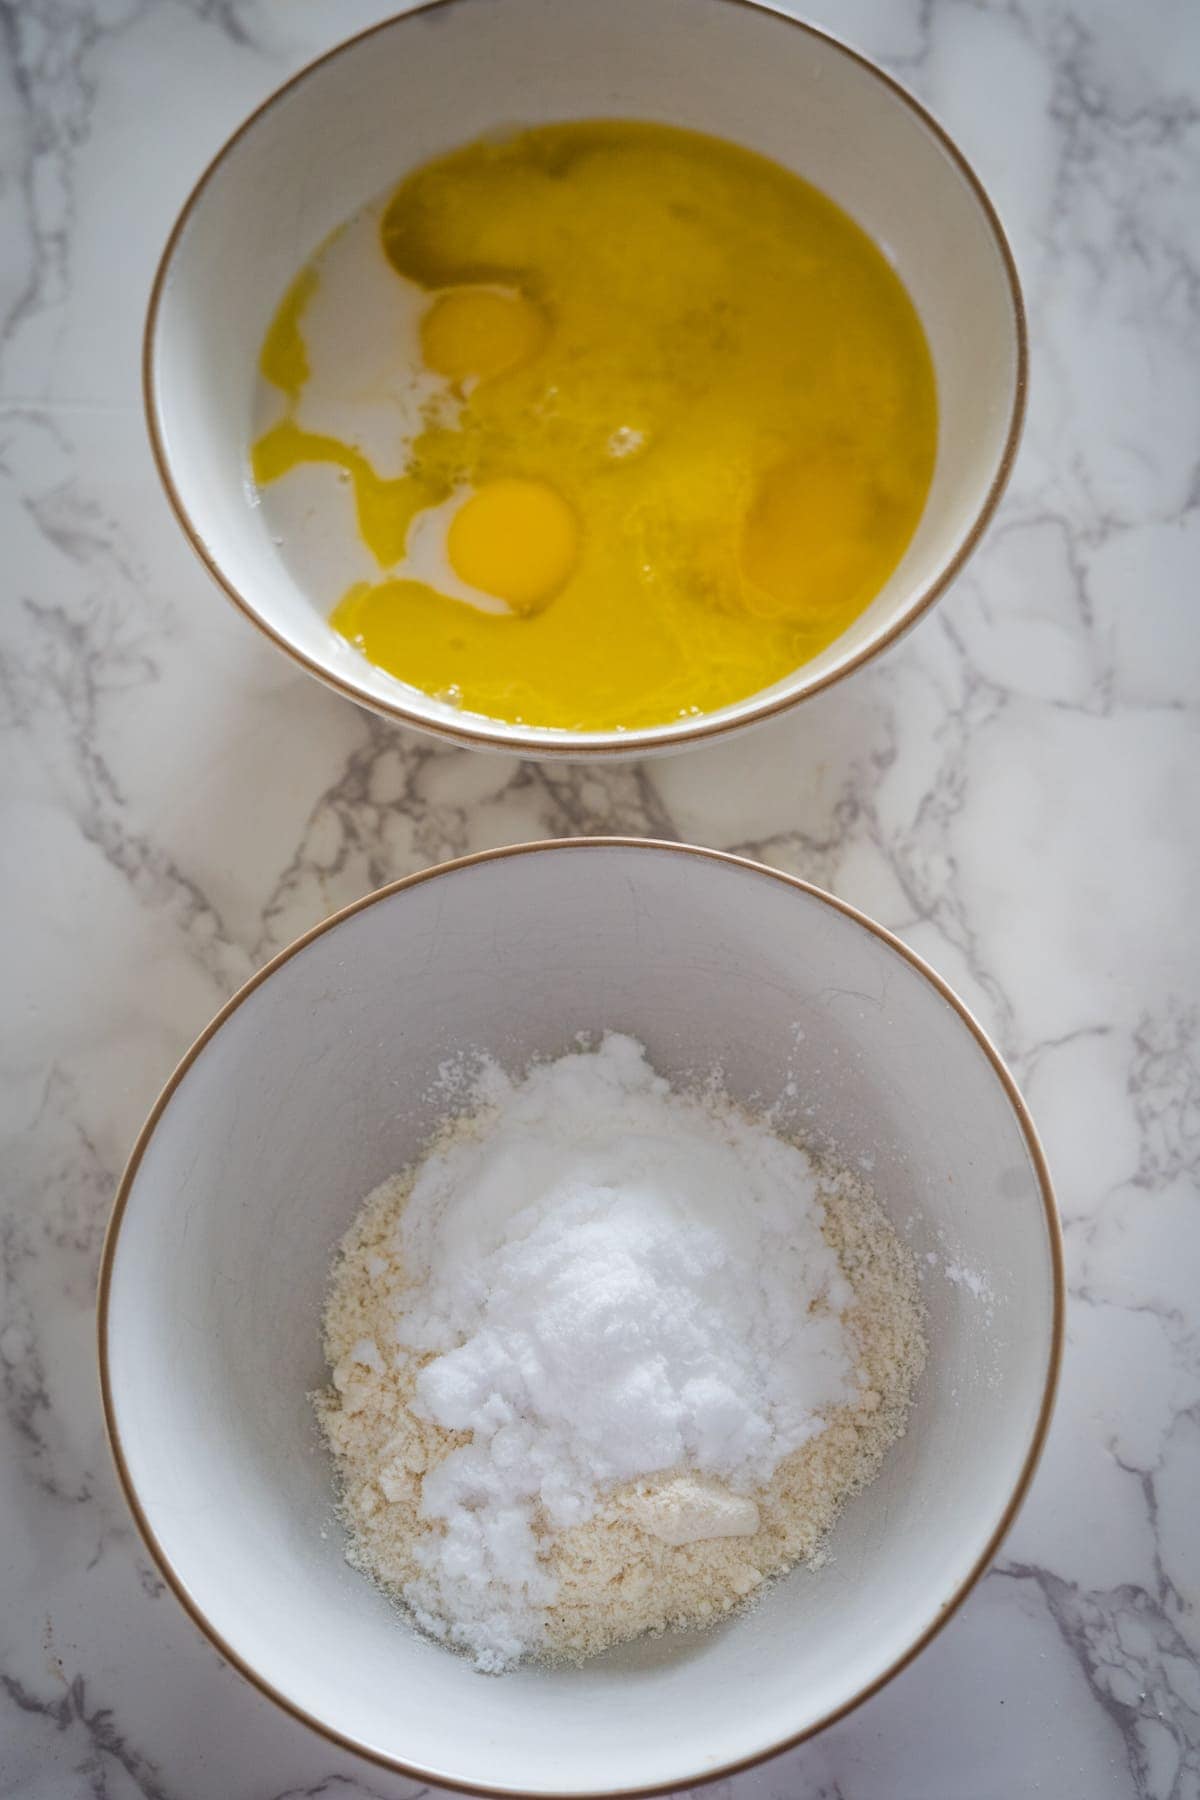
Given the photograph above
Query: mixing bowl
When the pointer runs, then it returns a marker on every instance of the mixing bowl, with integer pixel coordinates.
(349, 127)
(315, 1083)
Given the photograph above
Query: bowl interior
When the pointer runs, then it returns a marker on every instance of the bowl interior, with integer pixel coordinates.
(354, 124)
(317, 1085)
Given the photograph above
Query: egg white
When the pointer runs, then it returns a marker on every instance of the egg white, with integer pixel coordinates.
(361, 331)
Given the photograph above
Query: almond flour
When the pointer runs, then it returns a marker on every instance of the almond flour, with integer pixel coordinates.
(606, 1360)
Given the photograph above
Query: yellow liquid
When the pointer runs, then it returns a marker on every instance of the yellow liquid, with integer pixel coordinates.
(694, 426)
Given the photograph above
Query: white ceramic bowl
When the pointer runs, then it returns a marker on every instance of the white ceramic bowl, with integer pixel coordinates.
(352, 124)
(311, 1086)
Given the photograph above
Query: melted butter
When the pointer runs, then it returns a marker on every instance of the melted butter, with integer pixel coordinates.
(694, 429)
(385, 508)
(284, 359)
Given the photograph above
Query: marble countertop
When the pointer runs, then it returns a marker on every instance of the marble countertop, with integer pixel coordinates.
(1013, 789)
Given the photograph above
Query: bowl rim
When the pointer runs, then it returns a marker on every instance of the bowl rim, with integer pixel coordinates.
(647, 740)
(948, 1606)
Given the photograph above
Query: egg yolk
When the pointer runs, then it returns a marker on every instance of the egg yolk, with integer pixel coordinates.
(817, 533)
(477, 333)
(515, 539)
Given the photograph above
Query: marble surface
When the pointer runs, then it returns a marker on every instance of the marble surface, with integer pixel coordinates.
(1013, 790)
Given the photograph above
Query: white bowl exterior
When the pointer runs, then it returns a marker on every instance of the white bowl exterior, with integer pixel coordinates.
(347, 131)
(322, 1081)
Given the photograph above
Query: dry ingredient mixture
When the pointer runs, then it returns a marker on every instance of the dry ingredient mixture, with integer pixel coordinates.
(607, 1358)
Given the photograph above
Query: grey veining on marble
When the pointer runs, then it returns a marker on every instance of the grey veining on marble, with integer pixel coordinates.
(1014, 790)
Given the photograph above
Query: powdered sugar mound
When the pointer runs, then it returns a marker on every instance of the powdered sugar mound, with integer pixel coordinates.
(614, 1280)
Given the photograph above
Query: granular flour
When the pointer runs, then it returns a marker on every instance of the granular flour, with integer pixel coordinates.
(607, 1358)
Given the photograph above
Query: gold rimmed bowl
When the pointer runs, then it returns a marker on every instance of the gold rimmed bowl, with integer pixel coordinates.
(320, 1079)
(356, 121)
